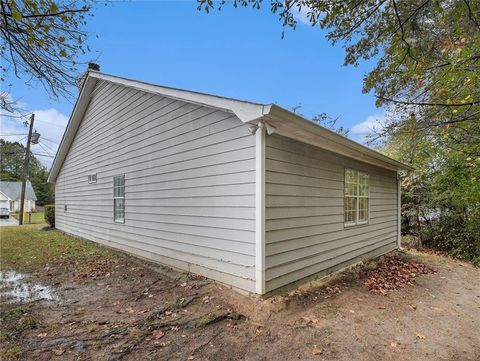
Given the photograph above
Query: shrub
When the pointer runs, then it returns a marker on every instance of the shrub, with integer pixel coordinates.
(50, 215)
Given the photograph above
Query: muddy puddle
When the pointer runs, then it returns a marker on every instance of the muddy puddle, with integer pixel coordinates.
(18, 287)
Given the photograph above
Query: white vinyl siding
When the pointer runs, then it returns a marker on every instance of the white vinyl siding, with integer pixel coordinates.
(356, 194)
(189, 183)
(305, 231)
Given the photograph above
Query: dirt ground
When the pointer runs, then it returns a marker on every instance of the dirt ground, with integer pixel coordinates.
(120, 308)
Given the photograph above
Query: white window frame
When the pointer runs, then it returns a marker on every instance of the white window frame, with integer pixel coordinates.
(119, 196)
(357, 221)
(92, 178)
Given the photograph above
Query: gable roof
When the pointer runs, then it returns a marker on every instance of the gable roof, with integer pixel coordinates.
(13, 190)
(285, 122)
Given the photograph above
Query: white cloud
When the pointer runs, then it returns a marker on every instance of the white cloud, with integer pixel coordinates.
(302, 15)
(50, 123)
(371, 124)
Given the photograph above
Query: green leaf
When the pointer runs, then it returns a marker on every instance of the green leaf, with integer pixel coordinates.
(63, 53)
(61, 39)
(16, 15)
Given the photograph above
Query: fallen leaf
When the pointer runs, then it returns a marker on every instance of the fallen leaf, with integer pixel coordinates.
(58, 351)
(413, 306)
(316, 350)
(419, 335)
(190, 358)
(381, 307)
(142, 311)
(157, 334)
(42, 335)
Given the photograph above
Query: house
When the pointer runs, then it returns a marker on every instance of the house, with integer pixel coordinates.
(10, 195)
(248, 194)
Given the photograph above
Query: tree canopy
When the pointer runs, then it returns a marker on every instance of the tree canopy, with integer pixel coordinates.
(42, 40)
(427, 56)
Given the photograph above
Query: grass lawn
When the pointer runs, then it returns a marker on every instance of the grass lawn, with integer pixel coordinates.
(27, 248)
(37, 218)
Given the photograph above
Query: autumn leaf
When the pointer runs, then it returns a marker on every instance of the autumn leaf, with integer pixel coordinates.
(58, 351)
(419, 335)
(316, 350)
(157, 334)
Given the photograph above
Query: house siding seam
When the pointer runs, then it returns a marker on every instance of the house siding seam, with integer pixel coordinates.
(305, 233)
(189, 183)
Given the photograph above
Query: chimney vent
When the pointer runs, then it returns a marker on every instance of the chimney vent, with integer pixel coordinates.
(93, 66)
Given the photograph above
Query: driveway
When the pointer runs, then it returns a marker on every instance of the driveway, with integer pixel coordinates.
(8, 222)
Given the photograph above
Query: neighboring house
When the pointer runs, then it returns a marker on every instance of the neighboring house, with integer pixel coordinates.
(10, 195)
(248, 194)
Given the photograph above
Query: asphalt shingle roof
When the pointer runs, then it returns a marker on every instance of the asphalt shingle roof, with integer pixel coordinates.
(13, 190)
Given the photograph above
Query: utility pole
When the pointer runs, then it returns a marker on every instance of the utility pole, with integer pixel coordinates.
(25, 172)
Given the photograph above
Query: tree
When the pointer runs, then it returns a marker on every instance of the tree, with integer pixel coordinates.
(12, 155)
(42, 40)
(428, 51)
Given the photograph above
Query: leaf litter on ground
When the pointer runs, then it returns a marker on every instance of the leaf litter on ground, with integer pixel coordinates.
(394, 272)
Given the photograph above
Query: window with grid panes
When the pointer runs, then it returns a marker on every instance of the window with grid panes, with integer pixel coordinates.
(119, 199)
(356, 197)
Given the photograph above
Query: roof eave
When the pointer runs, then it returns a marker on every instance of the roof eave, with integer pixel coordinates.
(296, 127)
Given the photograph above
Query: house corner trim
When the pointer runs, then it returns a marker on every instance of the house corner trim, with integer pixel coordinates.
(399, 211)
(260, 208)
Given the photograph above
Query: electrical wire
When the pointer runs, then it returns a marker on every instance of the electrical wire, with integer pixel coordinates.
(12, 135)
(51, 149)
(46, 151)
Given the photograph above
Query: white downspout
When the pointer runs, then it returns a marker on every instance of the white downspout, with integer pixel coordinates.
(260, 208)
(399, 211)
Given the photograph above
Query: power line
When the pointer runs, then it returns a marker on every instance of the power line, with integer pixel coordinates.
(15, 116)
(12, 135)
(53, 150)
(44, 155)
(49, 140)
(46, 151)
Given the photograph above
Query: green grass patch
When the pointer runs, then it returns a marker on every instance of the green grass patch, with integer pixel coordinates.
(36, 218)
(27, 248)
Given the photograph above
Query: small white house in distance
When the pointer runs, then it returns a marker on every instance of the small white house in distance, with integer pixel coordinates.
(10, 195)
(248, 194)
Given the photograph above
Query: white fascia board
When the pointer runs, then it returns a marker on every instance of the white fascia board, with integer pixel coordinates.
(245, 111)
(8, 198)
(293, 126)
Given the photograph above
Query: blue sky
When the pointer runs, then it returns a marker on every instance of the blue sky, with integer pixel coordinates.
(236, 53)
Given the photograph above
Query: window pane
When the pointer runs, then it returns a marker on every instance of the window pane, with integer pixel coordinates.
(363, 210)
(350, 182)
(119, 198)
(350, 206)
(363, 184)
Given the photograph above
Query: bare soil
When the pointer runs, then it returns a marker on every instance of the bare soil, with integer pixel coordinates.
(121, 308)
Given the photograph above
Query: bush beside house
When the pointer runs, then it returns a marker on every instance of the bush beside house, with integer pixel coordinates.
(50, 214)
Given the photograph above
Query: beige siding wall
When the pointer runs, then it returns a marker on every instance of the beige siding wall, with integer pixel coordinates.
(305, 233)
(189, 183)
